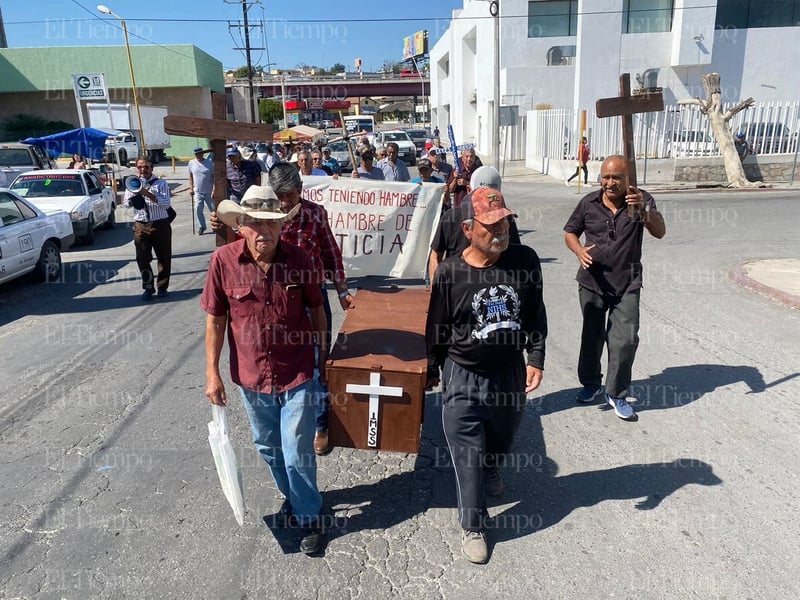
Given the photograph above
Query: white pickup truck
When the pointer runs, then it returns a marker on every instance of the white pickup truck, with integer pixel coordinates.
(122, 145)
(407, 151)
(31, 239)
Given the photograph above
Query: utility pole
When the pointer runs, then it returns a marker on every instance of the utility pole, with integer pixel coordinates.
(251, 99)
(494, 11)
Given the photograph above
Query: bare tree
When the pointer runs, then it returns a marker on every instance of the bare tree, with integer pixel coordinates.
(711, 107)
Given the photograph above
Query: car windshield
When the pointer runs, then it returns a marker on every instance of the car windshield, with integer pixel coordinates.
(15, 157)
(395, 137)
(338, 147)
(417, 133)
(41, 186)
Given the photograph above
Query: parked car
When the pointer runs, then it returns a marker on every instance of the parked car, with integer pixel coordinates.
(419, 137)
(30, 239)
(768, 138)
(315, 124)
(340, 153)
(19, 158)
(326, 124)
(78, 192)
(407, 150)
(692, 143)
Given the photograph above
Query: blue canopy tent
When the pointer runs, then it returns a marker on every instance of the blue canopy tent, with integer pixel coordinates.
(86, 141)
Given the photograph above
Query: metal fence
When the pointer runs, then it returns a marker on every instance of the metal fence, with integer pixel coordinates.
(678, 131)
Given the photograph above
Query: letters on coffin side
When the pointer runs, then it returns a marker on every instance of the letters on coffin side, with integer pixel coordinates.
(377, 370)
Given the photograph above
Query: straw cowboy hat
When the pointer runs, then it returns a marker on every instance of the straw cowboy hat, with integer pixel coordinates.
(259, 202)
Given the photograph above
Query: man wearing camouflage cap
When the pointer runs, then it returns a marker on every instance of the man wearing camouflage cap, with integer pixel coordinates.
(486, 306)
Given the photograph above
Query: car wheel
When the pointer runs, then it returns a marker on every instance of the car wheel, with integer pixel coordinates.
(88, 239)
(48, 267)
(123, 158)
(111, 221)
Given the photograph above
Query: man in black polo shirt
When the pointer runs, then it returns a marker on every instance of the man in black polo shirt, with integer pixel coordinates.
(610, 280)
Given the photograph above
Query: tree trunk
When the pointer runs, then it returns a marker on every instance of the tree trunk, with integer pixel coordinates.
(720, 125)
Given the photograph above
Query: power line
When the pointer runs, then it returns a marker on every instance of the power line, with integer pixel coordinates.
(373, 20)
(150, 42)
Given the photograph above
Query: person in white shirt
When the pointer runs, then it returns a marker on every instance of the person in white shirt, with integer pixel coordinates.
(201, 186)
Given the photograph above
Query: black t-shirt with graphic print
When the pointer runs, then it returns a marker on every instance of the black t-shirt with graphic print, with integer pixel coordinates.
(483, 318)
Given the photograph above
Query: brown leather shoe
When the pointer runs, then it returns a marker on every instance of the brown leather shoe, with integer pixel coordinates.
(321, 447)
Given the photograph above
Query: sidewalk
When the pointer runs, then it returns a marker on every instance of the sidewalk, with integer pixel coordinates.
(515, 170)
(778, 279)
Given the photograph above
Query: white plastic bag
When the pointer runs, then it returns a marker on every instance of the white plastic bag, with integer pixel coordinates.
(228, 470)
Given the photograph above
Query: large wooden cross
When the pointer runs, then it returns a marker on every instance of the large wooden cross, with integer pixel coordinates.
(626, 105)
(218, 131)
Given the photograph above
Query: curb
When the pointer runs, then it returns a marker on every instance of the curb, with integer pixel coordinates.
(738, 275)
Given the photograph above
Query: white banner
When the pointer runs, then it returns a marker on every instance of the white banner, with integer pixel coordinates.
(382, 228)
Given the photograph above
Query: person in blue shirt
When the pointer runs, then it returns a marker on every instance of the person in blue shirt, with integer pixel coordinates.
(393, 169)
(331, 162)
(426, 173)
(366, 170)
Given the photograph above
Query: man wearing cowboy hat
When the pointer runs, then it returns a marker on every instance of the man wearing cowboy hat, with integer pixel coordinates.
(267, 295)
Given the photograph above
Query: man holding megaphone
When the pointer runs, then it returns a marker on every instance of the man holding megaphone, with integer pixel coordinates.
(149, 197)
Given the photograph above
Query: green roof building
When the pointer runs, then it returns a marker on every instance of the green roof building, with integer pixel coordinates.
(38, 81)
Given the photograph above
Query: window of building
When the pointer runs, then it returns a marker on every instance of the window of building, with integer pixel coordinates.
(742, 14)
(552, 18)
(647, 16)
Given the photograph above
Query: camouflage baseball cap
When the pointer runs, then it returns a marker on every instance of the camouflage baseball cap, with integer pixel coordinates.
(485, 205)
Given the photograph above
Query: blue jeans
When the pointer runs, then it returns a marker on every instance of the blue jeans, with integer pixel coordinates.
(322, 400)
(201, 199)
(283, 432)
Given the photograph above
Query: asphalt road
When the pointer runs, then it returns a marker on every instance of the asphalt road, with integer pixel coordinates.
(109, 491)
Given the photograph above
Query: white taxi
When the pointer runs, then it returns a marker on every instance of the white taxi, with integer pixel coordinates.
(31, 239)
(78, 192)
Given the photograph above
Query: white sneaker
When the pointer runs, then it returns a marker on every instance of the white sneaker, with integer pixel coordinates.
(474, 547)
(621, 407)
(566, 182)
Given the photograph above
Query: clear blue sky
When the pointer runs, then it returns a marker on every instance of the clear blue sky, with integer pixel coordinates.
(314, 32)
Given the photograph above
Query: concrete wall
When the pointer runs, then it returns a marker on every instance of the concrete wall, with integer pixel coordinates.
(769, 169)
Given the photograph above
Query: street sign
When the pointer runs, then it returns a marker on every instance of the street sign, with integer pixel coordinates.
(89, 86)
(509, 116)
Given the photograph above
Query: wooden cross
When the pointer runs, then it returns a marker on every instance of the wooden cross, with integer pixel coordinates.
(374, 390)
(218, 130)
(625, 105)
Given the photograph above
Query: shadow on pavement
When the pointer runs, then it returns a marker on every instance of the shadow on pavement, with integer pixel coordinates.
(673, 387)
(541, 498)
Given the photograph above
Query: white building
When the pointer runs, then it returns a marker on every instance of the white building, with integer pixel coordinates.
(568, 53)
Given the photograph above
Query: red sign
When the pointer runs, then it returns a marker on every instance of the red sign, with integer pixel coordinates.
(295, 105)
(332, 104)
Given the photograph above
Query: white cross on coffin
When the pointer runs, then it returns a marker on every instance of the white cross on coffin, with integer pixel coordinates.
(374, 390)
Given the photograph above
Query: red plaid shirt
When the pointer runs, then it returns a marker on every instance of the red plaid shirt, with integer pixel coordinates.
(310, 230)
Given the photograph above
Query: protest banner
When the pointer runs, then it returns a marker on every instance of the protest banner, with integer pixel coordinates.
(382, 228)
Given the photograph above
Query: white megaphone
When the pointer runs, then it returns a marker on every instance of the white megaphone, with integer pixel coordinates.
(135, 184)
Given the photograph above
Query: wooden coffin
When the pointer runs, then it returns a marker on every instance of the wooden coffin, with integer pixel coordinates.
(377, 370)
